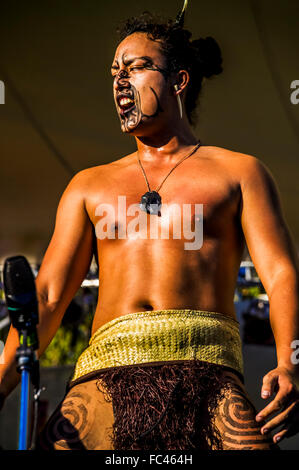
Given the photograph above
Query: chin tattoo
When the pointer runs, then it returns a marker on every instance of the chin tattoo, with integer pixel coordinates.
(131, 118)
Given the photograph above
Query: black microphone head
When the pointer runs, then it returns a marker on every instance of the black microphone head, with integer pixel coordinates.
(20, 294)
(18, 278)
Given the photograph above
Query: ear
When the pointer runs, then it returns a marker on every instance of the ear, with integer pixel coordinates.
(181, 80)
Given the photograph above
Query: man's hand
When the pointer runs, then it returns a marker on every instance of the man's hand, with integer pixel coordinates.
(286, 404)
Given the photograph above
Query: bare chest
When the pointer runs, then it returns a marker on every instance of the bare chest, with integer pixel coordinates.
(192, 198)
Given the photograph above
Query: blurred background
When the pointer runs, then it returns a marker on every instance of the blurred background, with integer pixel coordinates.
(59, 118)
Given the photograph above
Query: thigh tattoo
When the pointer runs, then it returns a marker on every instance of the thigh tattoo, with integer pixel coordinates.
(70, 424)
(236, 423)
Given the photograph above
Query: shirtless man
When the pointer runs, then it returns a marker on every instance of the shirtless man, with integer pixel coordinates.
(240, 203)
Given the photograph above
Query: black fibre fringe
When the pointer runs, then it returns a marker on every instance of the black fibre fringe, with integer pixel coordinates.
(164, 407)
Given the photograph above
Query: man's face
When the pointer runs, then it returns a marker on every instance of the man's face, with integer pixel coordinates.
(140, 86)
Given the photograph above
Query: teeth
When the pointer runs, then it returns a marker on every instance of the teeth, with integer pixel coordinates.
(125, 101)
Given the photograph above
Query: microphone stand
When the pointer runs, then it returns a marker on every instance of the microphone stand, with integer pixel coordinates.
(28, 367)
(22, 304)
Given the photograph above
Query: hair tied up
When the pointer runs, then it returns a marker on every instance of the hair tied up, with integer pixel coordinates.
(208, 55)
(201, 58)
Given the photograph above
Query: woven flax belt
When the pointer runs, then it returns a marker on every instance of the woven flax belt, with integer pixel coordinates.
(162, 335)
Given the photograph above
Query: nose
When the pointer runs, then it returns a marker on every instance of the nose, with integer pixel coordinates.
(121, 80)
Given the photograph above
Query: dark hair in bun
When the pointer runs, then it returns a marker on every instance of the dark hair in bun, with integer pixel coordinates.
(201, 57)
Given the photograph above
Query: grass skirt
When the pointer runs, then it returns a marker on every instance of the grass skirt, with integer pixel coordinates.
(164, 407)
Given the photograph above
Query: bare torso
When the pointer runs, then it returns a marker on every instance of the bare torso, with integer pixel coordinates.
(137, 275)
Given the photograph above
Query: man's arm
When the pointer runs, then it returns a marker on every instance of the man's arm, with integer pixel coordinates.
(64, 266)
(273, 253)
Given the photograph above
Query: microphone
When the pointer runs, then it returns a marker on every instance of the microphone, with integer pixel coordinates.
(21, 300)
(22, 304)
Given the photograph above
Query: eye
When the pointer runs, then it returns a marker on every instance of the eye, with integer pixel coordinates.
(137, 67)
(114, 71)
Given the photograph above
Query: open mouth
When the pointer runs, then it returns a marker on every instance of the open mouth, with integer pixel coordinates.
(125, 103)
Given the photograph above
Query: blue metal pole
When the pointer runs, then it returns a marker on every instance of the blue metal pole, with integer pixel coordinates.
(23, 425)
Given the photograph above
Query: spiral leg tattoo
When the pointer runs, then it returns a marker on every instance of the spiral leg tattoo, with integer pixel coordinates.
(69, 424)
(78, 423)
(236, 423)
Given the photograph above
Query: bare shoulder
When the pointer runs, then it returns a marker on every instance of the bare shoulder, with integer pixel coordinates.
(84, 179)
(231, 157)
(242, 167)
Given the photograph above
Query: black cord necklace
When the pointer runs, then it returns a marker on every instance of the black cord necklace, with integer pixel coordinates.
(151, 201)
